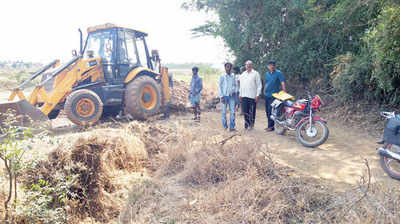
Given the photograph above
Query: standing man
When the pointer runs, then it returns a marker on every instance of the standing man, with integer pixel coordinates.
(196, 85)
(250, 90)
(227, 91)
(236, 72)
(275, 81)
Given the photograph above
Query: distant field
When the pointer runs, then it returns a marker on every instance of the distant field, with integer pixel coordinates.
(209, 80)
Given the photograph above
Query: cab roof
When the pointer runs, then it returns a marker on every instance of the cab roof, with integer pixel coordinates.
(110, 25)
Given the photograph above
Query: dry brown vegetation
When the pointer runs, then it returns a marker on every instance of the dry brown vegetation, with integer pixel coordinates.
(235, 181)
(159, 172)
(96, 168)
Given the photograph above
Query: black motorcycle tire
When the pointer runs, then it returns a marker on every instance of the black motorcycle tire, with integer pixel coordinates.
(315, 143)
(385, 166)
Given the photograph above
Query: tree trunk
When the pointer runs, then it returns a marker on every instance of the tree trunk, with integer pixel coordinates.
(10, 177)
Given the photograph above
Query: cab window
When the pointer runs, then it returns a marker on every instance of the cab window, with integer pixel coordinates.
(142, 51)
(128, 54)
(100, 45)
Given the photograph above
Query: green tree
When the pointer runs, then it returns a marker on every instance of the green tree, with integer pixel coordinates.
(307, 37)
(12, 150)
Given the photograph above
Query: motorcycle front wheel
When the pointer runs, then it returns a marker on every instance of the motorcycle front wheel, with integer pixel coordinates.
(312, 135)
(391, 166)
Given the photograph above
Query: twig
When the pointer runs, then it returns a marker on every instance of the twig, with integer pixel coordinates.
(227, 139)
(365, 193)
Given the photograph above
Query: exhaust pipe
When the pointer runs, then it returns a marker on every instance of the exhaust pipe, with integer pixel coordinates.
(389, 154)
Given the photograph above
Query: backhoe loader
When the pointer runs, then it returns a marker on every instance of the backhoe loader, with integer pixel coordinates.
(112, 73)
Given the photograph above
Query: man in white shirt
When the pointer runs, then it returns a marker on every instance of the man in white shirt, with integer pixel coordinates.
(250, 90)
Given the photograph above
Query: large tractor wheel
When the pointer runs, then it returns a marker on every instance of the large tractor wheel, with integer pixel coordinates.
(83, 107)
(142, 98)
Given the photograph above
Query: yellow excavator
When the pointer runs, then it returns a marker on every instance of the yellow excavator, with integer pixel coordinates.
(112, 73)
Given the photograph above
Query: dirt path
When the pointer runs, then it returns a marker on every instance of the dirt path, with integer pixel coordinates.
(340, 160)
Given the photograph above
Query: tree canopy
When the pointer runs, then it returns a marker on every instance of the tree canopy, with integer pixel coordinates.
(351, 47)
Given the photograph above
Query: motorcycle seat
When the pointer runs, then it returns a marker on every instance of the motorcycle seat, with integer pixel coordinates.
(302, 101)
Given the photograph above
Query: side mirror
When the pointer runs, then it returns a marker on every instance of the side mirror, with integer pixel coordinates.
(74, 53)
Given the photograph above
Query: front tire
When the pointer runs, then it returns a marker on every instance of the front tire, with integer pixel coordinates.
(142, 98)
(83, 107)
(303, 135)
(391, 166)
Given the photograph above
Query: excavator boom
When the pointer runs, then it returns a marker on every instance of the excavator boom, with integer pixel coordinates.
(43, 99)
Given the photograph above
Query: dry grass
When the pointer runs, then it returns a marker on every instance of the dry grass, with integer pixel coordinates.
(207, 181)
(215, 179)
(95, 165)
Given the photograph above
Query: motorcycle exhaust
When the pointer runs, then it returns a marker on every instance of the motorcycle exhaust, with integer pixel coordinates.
(388, 154)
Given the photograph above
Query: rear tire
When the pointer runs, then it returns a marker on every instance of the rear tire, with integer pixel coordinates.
(386, 165)
(142, 98)
(83, 107)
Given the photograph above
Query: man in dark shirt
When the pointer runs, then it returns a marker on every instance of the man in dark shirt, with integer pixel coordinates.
(274, 82)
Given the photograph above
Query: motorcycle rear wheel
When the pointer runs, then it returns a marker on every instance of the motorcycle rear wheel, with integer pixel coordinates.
(391, 166)
(304, 126)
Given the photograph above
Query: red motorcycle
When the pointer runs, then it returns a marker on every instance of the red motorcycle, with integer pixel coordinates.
(311, 130)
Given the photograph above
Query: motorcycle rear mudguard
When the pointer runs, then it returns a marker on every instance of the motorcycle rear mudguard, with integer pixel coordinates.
(315, 118)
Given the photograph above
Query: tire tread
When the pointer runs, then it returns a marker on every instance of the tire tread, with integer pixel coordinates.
(132, 93)
(68, 107)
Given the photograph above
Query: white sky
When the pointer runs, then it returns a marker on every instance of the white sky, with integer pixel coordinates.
(44, 30)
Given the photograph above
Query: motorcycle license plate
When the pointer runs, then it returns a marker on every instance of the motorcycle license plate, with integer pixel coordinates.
(276, 103)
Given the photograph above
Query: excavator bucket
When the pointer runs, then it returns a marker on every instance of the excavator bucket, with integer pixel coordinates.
(27, 114)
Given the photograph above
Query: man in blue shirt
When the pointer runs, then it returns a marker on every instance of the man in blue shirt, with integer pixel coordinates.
(227, 91)
(274, 82)
(196, 85)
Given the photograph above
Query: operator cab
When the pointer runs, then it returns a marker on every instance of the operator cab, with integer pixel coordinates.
(121, 50)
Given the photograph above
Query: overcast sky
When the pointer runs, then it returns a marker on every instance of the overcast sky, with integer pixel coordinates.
(44, 30)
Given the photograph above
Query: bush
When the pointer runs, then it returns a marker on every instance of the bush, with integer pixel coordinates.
(373, 74)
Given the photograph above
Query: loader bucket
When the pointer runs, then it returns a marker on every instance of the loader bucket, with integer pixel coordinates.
(26, 113)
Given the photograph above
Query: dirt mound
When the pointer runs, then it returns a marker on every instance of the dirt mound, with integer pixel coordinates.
(94, 171)
(180, 94)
